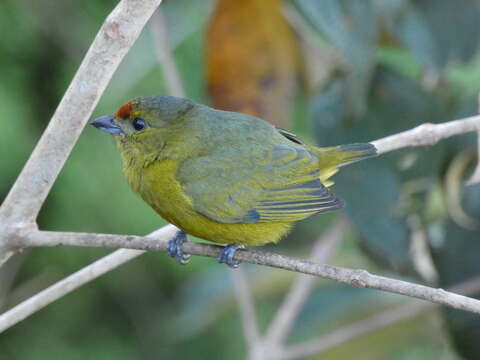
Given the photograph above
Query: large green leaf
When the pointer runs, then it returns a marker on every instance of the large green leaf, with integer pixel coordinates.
(373, 193)
(455, 250)
(374, 189)
(351, 26)
(185, 17)
(413, 30)
(456, 259)
(436, 32)
(454, 26)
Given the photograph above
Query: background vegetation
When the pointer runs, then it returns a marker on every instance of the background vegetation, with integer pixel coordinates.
(348, 71)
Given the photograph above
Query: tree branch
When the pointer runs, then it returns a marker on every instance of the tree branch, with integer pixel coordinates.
(427, 134)
(353, 331)
(356, 278)
(116, 36)
(164, 54)
(65, 286)
(20, 208)
(244, 297)
(75, 280)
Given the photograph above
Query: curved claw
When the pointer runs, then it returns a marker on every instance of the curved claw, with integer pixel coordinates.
(175, 248)
(227, 254)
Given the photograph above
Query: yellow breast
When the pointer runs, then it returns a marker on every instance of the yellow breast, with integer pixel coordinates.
(157, 185)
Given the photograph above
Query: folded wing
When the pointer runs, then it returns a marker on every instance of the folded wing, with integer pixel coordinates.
(280, 185)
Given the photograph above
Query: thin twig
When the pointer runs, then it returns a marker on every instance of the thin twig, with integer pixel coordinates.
(74, 281)
(365, 326)
(244, 297)
(65, 286)
(350, 332)
(118, 257)
(31, 237)
(288, 311)
(158, 241)
(7, 277)
(427, 134)
(158, 27)
(320, 58)
(116, 36)
(21, 206)
(357, 278)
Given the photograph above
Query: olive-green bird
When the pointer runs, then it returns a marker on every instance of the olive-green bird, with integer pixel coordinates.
(223, 176)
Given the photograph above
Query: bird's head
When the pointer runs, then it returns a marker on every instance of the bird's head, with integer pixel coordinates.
(143, 115)
(145, 123)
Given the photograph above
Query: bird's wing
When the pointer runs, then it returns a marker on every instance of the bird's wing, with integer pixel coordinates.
(290, 136)
(282, 186)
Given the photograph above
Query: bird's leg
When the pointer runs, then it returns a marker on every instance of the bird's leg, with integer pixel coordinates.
(175, 248)
(227, 254)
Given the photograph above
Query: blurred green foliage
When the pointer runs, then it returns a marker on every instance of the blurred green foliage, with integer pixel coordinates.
(424, 72)
(408, 62)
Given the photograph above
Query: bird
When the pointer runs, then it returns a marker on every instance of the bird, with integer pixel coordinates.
(225, 177)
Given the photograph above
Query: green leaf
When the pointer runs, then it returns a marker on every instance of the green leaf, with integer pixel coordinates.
(413, 30)
(454, 25)
(456, 259)
(374, 189)
(351, 26)
(185, 17)
(437, 32)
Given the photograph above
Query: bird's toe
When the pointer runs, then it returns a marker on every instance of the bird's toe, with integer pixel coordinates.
(175, 248)
(227, 254)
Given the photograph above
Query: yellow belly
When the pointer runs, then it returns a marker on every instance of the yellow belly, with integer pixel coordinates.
(159, 188)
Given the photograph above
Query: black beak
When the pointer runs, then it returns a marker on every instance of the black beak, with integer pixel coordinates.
(106, 123)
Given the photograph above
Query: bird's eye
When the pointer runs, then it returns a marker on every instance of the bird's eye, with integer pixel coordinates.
(139, 124)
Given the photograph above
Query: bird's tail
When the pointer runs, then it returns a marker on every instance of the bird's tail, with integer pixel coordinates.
(332, 158)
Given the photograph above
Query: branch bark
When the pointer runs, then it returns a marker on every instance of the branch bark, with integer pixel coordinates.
(359, 278)
(20, 208)
(356, 278)
(116, 36)
(164, 54)
(246, 305)
(353, 331)
(427, 134)
(65, 286)
(75, 280)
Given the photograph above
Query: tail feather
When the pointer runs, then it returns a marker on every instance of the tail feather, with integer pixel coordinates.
(356, 152)
(332, 158)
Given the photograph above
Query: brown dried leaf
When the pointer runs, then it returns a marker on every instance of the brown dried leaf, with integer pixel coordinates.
(251, 59)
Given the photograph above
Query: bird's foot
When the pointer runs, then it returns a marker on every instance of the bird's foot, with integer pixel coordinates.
(175, 248)
(227, 254)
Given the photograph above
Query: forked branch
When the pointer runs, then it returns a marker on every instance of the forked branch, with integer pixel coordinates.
(118, 33)
(20, 208)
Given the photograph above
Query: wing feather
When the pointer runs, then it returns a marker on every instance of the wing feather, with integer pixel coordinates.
(284, 187)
